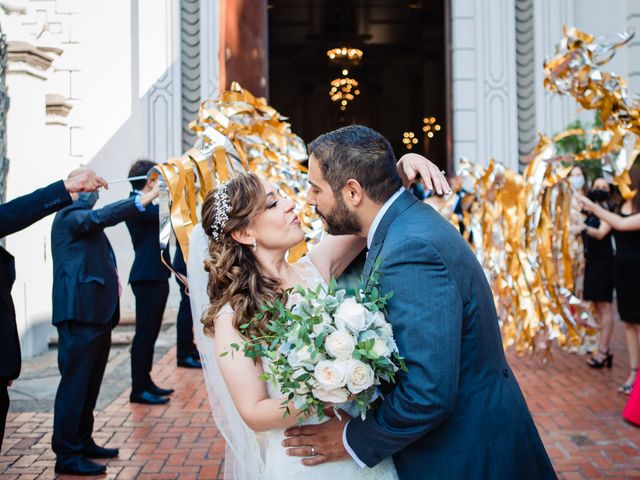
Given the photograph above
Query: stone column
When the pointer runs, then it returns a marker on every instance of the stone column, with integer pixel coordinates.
(553, 112)
(210, 22)
(484, 81)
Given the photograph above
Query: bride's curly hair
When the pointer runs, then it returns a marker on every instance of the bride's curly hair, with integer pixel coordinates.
(234, 273)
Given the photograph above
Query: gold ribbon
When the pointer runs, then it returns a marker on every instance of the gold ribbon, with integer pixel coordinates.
(236, 133)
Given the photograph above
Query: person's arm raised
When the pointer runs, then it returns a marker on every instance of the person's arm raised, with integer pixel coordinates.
(617, 222)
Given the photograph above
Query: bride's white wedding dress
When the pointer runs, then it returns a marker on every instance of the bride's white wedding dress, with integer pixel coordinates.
(258, 455)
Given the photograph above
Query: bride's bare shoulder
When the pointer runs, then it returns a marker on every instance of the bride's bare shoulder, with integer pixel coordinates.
(224, 323)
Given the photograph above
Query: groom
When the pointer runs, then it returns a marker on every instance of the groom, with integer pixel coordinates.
(458, 412)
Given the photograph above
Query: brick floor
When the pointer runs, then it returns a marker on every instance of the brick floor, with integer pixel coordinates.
(577, 411)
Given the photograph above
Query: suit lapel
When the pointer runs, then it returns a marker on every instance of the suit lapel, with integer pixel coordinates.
(404, 201)
(371, 258)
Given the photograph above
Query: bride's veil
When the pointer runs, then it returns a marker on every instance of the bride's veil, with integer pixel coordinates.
(243, 459)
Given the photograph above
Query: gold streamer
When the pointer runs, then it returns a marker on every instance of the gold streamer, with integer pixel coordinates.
(236, 133)
(521, 224)
(520, 231)
(575, 70)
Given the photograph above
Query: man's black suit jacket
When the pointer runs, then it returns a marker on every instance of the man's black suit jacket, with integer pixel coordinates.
(85, 279)
(145, 236)
(15, 216)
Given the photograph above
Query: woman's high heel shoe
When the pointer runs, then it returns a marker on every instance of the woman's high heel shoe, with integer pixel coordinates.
(607, 361)
(626, 388)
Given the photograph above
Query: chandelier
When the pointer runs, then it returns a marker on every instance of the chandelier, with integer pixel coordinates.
(409, 139)
(430, 126)
(344, 89)
(345, 55)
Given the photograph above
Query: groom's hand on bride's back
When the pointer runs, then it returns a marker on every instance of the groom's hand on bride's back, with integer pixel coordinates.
(318, 443)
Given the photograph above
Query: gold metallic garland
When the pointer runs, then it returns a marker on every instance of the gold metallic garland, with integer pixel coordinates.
(518, 229)
(236, 133)
(520, 224)
(575, 70)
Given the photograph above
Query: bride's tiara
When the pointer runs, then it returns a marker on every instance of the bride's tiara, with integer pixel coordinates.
(221, 204)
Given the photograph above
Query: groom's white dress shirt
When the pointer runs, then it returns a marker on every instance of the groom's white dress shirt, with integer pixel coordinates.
(372, 232)
(378, 218)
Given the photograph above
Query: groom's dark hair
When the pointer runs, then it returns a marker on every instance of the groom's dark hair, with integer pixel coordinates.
(360, 153)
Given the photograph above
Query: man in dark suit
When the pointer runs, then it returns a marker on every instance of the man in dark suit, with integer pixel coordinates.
(86, 307)
(458, 411)
(15, 216)
(186, 352)
(149, 279)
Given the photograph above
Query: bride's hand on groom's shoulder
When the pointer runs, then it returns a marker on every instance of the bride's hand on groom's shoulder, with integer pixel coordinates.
(432, 178)
(318, 443)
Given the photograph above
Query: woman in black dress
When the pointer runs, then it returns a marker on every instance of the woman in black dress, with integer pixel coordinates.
(626, 233)
(598, 272)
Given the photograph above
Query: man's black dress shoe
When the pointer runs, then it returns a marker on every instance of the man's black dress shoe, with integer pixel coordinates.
(147, 398)
(94, 451)
(161, 392)
(80, 466)
(190, 362)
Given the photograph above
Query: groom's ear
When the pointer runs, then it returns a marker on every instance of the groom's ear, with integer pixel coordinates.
(353, 193)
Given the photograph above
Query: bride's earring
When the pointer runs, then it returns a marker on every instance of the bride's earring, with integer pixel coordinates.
(255, 246)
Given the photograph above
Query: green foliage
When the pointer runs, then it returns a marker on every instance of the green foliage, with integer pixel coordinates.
(575, 144)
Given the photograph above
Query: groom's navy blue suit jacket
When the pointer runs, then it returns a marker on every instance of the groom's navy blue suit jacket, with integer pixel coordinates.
(458, 412)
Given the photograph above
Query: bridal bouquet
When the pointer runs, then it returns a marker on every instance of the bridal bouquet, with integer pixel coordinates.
(324, 348)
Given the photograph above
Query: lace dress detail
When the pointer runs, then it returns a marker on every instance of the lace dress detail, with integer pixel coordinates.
(280, 466)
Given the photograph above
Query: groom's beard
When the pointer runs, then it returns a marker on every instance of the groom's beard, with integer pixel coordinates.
(340, 220)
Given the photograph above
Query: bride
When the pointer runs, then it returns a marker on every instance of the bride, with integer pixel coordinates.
(247, 228)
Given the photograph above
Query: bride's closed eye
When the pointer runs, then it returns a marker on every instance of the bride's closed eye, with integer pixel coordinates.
(279, 196)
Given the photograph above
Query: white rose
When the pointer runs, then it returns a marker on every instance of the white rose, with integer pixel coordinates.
(378, 320)
(381, 348)
(300, 357)
(304, 353)
(340, 344)
(335, 395)
(360, 376)
(330, 374)
(352, 315)
(386, 331)
(318, 328)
